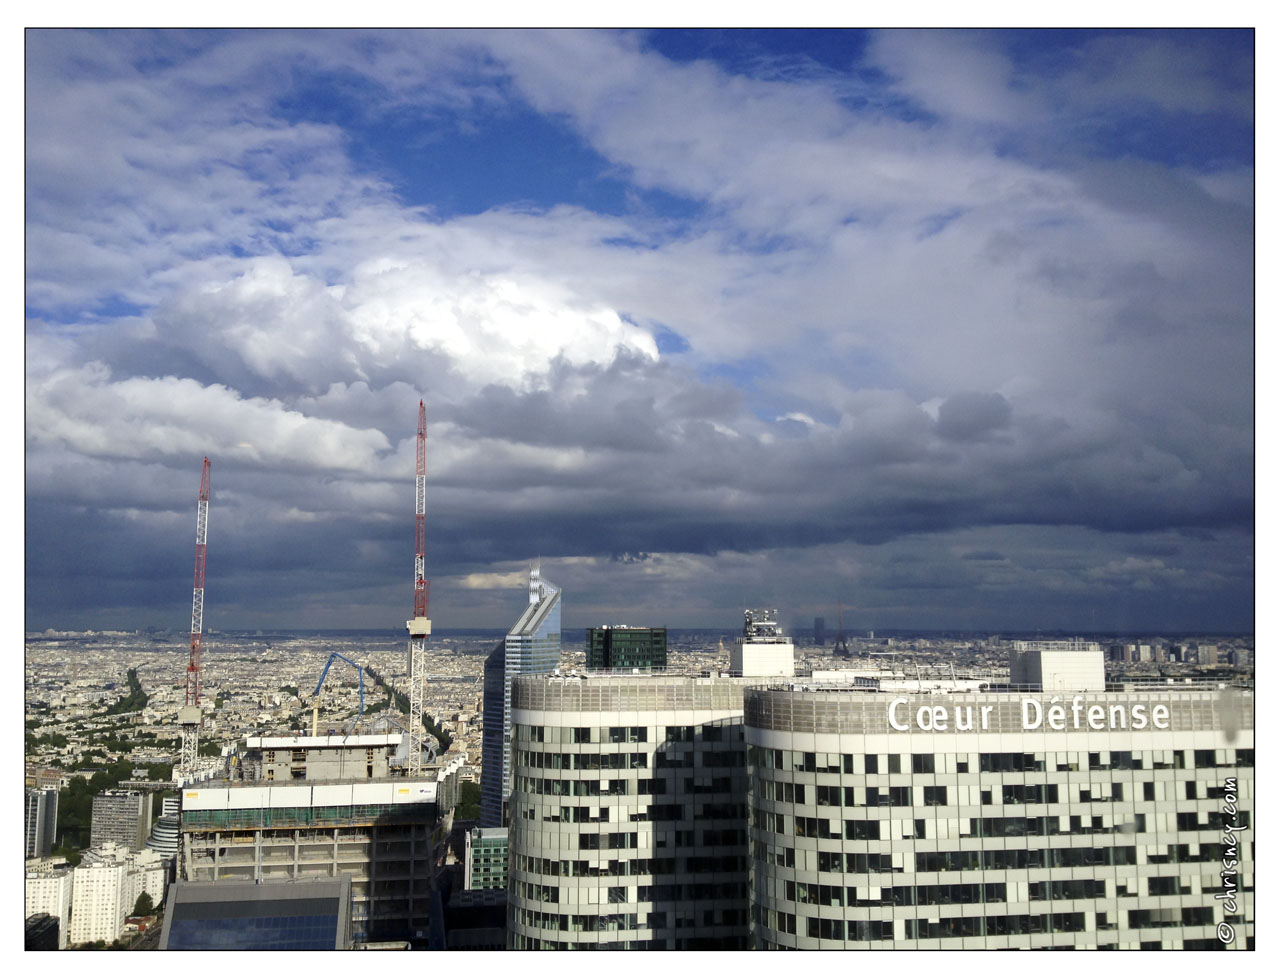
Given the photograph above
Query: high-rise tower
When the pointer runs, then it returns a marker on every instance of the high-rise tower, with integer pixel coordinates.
(532, 646)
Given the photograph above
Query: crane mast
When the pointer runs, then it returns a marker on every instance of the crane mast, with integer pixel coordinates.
(189, 715)
(419, 626)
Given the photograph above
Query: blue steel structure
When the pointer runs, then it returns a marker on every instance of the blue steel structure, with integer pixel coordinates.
(359, 672)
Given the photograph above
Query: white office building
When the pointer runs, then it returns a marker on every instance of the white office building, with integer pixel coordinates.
(1012, 819)
(628, 817)
(106, 886)
(762, 649)
(100, 894)
(1069, 664)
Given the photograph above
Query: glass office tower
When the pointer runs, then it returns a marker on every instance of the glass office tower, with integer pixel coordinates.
(621, 647)
(532, 646)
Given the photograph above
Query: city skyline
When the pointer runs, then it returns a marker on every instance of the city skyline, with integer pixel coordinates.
(952, 327)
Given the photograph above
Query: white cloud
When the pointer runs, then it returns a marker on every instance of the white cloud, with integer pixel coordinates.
(146, 419)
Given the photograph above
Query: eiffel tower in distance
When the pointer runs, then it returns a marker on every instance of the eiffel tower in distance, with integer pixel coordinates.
(841, 648)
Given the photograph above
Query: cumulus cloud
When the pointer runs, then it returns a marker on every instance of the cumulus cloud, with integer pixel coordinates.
(145, 419)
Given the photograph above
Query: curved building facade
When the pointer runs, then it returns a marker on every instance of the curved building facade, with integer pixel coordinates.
(628, 813)
(1000, 820)
(165, 836)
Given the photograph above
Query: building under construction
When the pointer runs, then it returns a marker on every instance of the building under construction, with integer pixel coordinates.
(305, 807)
(377, 808)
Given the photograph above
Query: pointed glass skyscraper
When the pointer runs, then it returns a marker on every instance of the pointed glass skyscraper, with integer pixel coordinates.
(532, 646)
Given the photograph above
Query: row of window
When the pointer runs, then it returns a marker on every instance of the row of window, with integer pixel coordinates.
(992, 827)
(585, 762)
(1061, 761)
(838, 896)
(693, 943)
(1171, 917)
(627, 735)
(713, 917)
(996, 924)
(580, 868)
(576, 787)
(725, 891)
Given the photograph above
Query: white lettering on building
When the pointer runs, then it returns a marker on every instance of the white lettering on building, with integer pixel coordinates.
(1057, 716)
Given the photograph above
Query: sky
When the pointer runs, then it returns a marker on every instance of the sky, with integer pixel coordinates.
(949, 329)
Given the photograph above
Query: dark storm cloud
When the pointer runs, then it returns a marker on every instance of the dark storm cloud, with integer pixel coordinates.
(970, 415)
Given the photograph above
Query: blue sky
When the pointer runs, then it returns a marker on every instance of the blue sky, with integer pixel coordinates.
(953, 327)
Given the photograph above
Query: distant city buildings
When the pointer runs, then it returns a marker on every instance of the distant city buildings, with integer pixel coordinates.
(532, 647)
(762, 649)
(40, 820)
(819, 631)
(621, 647)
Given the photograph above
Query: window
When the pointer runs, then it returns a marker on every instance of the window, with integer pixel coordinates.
(922, 764)
(935, 795)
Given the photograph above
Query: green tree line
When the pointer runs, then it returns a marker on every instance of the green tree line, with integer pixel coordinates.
(402, 704)
(134, 700)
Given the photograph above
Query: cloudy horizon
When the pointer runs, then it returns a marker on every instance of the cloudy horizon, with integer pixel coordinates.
(954, 328)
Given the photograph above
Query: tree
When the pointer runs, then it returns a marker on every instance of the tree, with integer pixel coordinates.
(143, 906)
(468, 801)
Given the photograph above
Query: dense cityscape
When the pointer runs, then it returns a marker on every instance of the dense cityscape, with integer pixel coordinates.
(91, 735)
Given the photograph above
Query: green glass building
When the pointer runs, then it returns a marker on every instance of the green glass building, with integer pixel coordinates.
(621, 647)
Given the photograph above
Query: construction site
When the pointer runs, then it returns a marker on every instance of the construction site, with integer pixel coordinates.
(370, 802)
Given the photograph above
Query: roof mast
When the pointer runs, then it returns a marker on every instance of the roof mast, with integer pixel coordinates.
(190, 715)
(419, 626)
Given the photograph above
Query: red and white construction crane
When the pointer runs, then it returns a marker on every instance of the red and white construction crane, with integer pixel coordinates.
(419, 626)
(189, 715)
